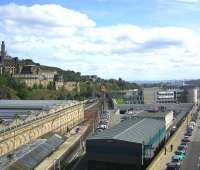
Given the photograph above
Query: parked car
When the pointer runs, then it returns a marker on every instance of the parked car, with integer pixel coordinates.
(182, 146)
(189, 129)
(182, 149)
(173, 166)
(179, 152)
(179, 157)
(186, 139)
(174, 128)
(102, 126)
(177, 161)
(188, 133)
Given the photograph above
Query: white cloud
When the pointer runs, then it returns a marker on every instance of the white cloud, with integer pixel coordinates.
(188, 1)
(52, 34)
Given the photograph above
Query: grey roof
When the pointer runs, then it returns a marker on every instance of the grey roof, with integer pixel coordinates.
(31, 104)
(170, 106)
(134, 130)
(35, 156)
(152, 114)
(23, 108)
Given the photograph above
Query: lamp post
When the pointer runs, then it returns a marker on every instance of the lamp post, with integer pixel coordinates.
(143, 152)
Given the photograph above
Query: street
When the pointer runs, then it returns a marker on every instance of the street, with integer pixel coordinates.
(192, 160)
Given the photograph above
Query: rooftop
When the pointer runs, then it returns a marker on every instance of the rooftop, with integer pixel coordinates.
(170, 106)
(27, 110)
(30, 155)
(152, 113)
(132, 130)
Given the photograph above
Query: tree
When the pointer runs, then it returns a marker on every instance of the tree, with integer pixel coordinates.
(51, 86)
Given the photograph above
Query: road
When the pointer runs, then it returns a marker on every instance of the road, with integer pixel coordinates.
(192, 160)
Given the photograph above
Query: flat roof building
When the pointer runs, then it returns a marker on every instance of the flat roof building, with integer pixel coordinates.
(166, 116)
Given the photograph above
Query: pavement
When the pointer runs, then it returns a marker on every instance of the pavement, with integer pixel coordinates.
(162, 159)
(192, 160)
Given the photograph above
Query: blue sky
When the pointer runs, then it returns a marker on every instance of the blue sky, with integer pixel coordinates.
(132, 39)
(143, 13)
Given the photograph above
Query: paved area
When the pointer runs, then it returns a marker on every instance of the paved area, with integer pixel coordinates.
(192, 160)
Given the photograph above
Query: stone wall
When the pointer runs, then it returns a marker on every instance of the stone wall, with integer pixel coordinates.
(59, 121)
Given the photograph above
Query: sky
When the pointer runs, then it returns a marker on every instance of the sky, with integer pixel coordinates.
(131, 39)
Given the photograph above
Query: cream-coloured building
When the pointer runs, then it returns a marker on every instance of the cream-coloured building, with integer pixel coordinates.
(69, 85)
(166, 116)
(22, 121)
(31, 75)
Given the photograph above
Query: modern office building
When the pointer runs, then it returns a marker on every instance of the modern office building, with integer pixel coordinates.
(133, 96)
(170, 96)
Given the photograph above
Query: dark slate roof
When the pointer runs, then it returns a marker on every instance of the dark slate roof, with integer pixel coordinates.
(34, 157)
(134, 130)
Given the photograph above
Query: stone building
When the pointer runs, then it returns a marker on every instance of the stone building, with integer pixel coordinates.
(31, 74)
(69, 85)
(23, 121)
(7, 63)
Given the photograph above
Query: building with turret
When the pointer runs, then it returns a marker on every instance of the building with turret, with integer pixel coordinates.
(8, 64)
(31, 74)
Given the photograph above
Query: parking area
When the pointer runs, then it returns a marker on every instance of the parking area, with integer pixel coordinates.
(183, 147)
(103, 121)
(192, 159)
(165, 155)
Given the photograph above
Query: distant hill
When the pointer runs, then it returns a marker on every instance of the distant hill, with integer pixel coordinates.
(193, 82)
